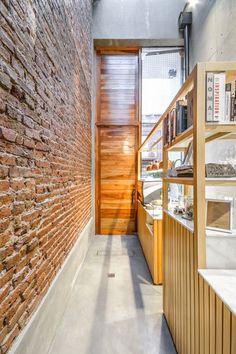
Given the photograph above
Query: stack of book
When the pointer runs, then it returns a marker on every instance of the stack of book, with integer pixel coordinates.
(220, 98)
(176, 121)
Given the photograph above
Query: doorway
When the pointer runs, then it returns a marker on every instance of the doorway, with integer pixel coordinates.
(117, 124)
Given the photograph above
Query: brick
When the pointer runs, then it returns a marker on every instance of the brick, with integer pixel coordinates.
(28, 122)
(4, 238)
(5, 81)
(5, 199)
(14, 112)
(9, 339)
(3, 171)
(5, 212)
(11, 261)
(18, 208)
(7, 160)
(28, 143)
(8, 134)
(4, 186)
(4, 224)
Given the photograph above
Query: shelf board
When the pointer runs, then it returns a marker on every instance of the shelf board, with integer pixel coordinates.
(220, 127)
(154, 171)
(231, 181)
(213, 131)
(181, 141)
(180, 180)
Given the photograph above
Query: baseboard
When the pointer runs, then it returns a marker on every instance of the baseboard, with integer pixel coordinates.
(38, 334)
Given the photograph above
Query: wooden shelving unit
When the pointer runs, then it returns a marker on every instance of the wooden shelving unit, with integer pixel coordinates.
(200, 133)
(188, 300)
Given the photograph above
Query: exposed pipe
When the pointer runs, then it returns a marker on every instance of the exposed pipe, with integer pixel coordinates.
(186, 51)
(185, 21)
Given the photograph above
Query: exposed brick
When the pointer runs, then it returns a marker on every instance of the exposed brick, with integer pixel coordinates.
(4, 186)
(11, 261)
(8, 134)
(45, 149)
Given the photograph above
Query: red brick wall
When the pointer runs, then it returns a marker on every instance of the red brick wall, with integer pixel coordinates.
(45, 148)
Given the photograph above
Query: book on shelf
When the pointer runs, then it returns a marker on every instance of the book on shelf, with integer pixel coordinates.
(220, 98)
(165, 130)
(189, 108)
(172, 124)
(209, 97)
(181, 116)
(233, 102)
(228, 102)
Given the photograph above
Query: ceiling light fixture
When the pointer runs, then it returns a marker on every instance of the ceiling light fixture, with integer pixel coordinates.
(192, 3)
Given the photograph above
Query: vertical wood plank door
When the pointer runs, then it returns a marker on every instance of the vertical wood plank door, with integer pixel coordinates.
(117, 144)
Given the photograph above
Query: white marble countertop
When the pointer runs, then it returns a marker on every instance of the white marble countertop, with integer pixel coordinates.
(190, 226)
(223, 282)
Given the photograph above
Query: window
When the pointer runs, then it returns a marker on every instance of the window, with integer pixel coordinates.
(162, 76)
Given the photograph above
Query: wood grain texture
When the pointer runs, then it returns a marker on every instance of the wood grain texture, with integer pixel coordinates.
(118, 89)
(199, 321)
(116, 143)
(151, 244)
(117, 180)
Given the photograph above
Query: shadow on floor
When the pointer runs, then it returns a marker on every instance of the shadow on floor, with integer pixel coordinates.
(118, 314)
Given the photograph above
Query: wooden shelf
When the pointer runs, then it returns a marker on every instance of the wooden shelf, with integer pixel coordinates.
(181, 141)
(154, 171)
(180, 180)
(231, 181)
(213, 131)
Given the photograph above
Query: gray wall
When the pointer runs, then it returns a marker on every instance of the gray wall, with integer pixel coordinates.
(213, 34)
(135, 19)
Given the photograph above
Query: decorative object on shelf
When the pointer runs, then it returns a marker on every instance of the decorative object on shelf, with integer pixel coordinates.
(155, 165)
(181, 171)
(215, 170)
(188, 209)
(219, 214)
(179, 210)
(188, 157)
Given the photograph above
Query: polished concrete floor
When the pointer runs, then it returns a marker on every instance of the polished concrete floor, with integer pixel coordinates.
(113, 307)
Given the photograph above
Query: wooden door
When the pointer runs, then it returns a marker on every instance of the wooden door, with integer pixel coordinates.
(117, 143)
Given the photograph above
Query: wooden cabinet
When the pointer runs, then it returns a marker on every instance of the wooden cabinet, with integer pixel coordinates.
(150, 236)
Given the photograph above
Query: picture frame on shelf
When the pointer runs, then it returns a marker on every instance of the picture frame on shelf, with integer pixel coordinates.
(219, 214)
